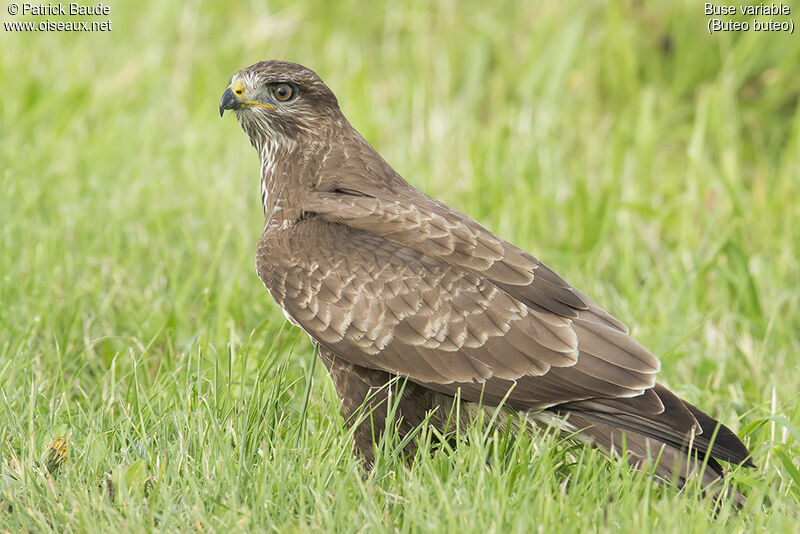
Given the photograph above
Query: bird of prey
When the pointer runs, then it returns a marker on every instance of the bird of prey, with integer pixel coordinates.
(389, 282)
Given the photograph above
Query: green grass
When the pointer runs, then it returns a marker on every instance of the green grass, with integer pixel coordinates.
(655, 167)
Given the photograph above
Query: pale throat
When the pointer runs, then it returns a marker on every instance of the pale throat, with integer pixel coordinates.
(267, 154)
(274, 180)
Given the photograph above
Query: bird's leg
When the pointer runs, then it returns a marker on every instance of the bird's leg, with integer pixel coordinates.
(372, 399)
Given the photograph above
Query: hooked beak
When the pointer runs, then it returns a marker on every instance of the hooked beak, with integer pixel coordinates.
(228, 101)
(232, 98)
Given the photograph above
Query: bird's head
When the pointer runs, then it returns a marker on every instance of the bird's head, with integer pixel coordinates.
(280, 101)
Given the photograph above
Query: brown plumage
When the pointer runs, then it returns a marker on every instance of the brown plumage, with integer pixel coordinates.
(390, 282)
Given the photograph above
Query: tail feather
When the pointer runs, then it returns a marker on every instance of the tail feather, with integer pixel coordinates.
(727, 446)
(641, 451)
(685, 441)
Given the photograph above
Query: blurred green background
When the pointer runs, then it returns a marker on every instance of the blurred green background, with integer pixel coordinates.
(653, 165)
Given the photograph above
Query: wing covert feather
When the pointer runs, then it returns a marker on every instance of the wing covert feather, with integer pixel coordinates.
(387, 306)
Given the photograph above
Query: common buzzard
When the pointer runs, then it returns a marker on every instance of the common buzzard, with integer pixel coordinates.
(389, 282)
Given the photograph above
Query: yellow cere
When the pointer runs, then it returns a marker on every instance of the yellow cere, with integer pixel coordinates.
(238, 88)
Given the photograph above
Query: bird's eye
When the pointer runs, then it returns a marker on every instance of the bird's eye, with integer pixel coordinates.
(283, 92)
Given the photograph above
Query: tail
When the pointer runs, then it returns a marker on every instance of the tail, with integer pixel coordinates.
(660, 427)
